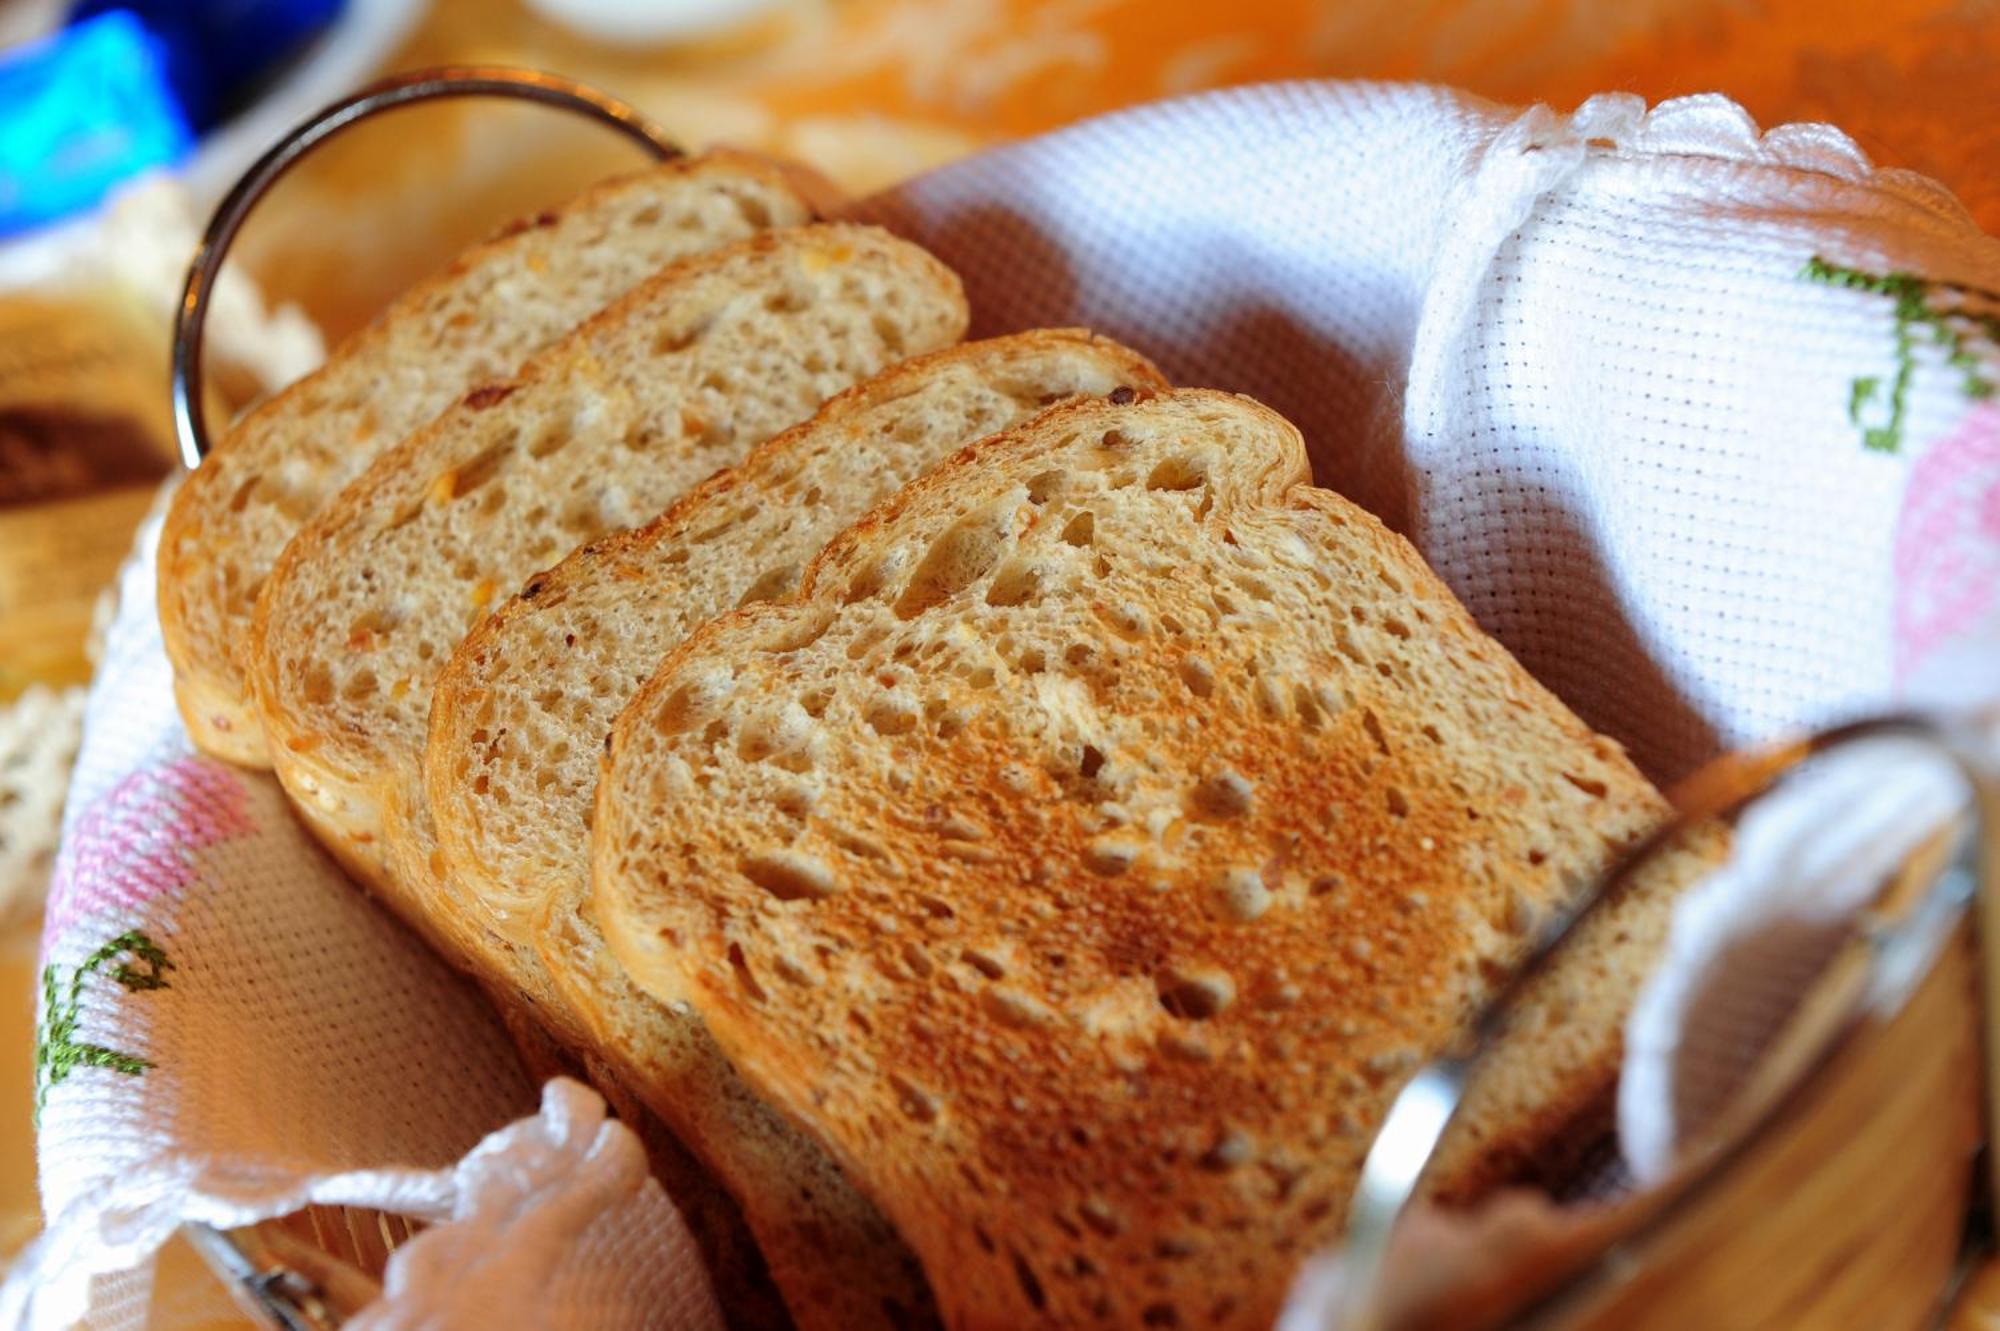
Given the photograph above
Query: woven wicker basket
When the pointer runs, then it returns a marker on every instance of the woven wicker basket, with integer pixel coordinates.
(1838, 1197)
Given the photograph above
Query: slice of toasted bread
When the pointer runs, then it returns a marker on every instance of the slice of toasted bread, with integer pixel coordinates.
(519, 719)
(606, 427)
(520, 716)
(601, 431)
(496, 305)
(1095, 844)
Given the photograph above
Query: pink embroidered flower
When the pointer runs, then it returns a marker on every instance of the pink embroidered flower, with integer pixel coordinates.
(1948, 541)
(137, 841)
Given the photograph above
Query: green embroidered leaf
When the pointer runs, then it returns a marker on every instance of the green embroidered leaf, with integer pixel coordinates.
(97, 1056)
(57, 1050)
(1861, 395)
(1942, 310)
(153, 976)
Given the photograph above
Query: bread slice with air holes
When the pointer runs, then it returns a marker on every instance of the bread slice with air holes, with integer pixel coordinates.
(520, 716)
(601, 431)
(607, 427)
(496, 305)
(1095, 843)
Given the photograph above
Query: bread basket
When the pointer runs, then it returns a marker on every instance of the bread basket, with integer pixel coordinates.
(1836, 1195)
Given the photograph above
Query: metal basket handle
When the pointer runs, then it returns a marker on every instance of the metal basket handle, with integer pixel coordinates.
(275, 1276)
(190, 421)
(1393, 1170)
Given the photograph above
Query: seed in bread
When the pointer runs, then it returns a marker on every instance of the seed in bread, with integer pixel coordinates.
(1089, 851)
(496, 305)
(599, 432)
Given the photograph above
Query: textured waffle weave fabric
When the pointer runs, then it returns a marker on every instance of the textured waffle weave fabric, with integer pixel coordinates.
(1694, 419)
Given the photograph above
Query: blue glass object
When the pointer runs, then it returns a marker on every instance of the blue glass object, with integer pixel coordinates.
(83, 110)
(222, 54)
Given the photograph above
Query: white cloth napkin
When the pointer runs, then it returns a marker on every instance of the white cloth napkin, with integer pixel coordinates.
(1647, 389)
(555, 1221)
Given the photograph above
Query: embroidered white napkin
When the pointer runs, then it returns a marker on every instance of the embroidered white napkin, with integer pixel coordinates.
(1693, 419)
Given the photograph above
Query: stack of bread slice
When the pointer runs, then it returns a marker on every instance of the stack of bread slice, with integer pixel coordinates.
(985, 804)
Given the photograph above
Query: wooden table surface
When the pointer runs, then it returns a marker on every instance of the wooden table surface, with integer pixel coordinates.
(872, 90)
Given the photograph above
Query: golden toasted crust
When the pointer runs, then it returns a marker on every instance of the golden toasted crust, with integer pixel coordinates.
(1087, 853)
(494, 306)
(520, 716)
(548, 672)
(687, 373)
(682, 375)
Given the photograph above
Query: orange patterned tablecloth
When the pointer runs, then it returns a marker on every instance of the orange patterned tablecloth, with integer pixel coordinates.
(873, 90)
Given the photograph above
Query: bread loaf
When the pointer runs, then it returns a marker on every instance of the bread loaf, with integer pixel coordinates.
(599, 432)
(479, 319)
(1086, 854)
(602, 430)
(519, 719)
(520, 716)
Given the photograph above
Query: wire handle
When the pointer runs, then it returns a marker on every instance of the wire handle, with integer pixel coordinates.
(1393, 1169)
(190, 421)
